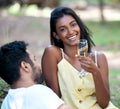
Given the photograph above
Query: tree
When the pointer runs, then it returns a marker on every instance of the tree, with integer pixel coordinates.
(101, 7)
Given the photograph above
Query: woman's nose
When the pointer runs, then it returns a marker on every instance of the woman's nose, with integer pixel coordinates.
(70, 31)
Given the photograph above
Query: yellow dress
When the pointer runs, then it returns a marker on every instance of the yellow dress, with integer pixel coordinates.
(77, 91)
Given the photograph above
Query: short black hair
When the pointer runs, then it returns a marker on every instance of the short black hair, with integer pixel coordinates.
(11, 55)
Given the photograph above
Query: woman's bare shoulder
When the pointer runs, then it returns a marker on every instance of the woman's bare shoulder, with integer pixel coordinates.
(99, 56)
(52, 51)
(98, 53)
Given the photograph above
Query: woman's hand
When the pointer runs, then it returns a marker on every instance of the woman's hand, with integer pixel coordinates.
(87, 63)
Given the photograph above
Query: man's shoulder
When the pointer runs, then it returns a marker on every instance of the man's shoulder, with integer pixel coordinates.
(39, 89)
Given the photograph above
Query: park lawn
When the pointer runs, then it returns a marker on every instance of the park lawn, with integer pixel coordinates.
(106, 34)
(114, 80)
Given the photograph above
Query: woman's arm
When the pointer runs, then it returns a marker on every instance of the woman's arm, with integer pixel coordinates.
(100, 76)
(49, 63)
(101, 81)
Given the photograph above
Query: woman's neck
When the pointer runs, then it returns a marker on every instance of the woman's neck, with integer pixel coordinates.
(71, 51)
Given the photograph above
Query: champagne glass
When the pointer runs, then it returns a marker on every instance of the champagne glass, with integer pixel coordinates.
(82, 47)
(82, 50)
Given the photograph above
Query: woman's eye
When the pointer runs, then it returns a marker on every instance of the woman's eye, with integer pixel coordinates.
(62, 29)
(74, 24)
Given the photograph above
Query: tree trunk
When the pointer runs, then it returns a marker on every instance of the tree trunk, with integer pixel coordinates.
(101, 7)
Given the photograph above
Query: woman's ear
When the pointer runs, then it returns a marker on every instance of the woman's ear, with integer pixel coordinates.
(56, 36)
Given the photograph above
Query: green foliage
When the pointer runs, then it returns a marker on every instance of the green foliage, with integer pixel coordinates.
(3, 87)
(108, 2)
(14, 9)
(112, 1)
(64, 2)
(92, 1)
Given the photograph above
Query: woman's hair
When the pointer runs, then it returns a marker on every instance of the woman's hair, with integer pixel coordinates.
(11, 56)
(60, 12)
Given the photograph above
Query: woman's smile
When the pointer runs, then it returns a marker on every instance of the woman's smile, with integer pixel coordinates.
(68, 30)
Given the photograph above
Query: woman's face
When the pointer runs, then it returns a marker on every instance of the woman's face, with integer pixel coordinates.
(67, 30)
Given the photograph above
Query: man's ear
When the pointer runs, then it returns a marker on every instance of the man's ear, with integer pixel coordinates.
(25, 66)
(56, 36)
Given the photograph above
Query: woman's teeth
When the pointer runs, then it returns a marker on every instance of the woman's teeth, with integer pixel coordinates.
(73, 37)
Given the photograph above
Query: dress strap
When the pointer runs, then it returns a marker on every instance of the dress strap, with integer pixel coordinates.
(62, 53)
(96, 58)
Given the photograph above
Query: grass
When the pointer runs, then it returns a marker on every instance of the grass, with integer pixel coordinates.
(107, 34)
(114, 80)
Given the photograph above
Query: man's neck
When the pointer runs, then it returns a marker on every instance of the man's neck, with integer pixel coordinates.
(21, 84)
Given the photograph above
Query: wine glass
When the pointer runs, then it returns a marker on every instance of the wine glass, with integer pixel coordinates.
(82, 47)
(82, 50)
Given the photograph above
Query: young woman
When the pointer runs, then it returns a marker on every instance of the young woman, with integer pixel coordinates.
(62, 66)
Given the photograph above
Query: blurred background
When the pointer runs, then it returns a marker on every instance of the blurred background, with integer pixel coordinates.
(29, 20)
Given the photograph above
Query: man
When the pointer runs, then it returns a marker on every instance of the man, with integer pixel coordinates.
(19, 68)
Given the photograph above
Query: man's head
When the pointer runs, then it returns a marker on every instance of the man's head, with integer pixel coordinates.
(16, 59)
